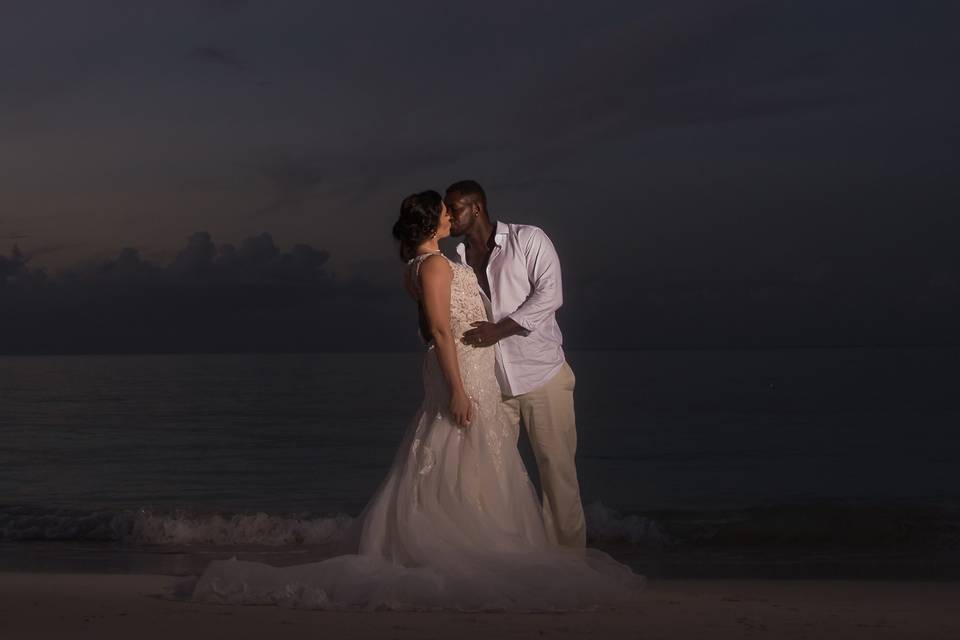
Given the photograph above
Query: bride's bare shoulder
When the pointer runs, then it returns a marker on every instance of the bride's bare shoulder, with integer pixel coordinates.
(436, 266)
(426, 272)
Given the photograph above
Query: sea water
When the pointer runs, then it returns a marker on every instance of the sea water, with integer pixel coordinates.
(690, 461)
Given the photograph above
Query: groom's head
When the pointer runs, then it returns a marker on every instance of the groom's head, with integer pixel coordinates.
(467, 204)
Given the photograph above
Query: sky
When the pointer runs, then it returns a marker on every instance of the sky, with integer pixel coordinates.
(223, 175)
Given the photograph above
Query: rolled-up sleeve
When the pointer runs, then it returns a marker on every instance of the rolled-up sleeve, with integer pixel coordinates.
(543, 269)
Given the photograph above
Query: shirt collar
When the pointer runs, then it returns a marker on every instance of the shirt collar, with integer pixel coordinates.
(498, 238)
(501, 234)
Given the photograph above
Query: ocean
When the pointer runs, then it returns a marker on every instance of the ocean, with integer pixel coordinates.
(780, 463)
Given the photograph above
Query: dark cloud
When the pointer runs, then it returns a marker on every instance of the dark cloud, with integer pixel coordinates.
(197, 258)
(14, 266)
(257, 297)
(201, 262)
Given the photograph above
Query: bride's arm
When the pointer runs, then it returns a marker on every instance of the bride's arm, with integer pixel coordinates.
(435, 278)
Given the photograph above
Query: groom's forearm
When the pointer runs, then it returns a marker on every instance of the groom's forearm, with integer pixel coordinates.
(509, 327)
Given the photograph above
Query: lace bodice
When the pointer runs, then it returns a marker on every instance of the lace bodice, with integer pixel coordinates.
(466, 306)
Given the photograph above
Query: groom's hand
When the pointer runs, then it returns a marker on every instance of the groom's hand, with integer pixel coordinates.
(486, 334)
(483, 334)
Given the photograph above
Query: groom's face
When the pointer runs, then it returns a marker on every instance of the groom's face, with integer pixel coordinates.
(462, 213)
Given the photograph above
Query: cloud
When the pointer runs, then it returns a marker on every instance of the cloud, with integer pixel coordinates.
(209, 298)
(203, 263)
(197, 257)
(259, 297)
(13, 266)
(128, 264)
(18, 261)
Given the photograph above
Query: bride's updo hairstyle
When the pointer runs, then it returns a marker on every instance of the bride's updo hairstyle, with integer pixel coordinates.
(419, 219)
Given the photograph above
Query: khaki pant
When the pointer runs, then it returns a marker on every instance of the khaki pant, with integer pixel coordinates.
(547, 413)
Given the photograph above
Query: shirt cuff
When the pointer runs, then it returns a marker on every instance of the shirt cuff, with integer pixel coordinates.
(523, 322)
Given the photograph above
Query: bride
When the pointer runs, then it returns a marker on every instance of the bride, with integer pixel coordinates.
(456, 523)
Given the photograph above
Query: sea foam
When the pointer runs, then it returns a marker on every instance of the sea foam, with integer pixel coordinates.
(151, 526)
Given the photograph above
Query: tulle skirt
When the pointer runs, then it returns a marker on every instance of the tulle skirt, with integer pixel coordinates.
(456, 524)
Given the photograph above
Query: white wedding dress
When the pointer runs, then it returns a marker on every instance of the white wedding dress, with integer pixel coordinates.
(456, 524)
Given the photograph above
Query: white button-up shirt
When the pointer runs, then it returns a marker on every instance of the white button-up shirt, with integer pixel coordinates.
(525, 285)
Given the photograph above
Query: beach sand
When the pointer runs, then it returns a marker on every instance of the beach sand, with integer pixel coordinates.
(75, 606)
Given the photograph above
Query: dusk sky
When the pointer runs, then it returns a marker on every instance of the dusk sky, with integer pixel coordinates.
(712, 173)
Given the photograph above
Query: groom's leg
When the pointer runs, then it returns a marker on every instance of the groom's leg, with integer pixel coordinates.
(511, 409)
(548, 414)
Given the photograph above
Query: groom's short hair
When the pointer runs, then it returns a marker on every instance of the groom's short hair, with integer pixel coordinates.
(469, 188)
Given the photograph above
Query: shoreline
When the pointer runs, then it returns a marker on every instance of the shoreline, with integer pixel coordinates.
(105, 606)
(914, 565)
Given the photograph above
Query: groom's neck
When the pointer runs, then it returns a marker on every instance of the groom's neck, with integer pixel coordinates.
(481, 234)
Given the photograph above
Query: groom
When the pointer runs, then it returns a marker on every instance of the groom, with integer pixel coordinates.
(519, 273)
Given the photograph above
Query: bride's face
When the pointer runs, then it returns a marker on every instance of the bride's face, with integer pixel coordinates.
(443, 228)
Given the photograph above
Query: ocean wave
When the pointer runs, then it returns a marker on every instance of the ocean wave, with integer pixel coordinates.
(170, 527)
(811, 526)
(186, 527)
(606, 525)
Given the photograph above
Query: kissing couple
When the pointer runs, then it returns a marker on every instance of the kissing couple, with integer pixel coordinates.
(457, 523)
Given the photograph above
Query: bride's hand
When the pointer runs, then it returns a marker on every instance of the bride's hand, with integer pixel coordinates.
(461, 409)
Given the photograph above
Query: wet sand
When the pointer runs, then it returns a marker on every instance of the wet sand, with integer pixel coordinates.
(105, 606)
